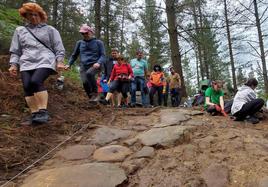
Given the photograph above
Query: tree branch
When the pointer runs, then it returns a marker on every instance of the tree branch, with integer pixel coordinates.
(254, 49)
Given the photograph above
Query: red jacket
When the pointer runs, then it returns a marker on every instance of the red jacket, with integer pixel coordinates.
(120, 69)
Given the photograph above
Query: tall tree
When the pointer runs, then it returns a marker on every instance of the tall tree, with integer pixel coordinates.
(230, 44)
(107, 25)
(55, 13)
(152, 33)
(97, 7)
(173, 39)
(258, 25)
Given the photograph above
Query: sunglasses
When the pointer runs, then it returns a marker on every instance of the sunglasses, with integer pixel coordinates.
(33, 14)
(84, 33)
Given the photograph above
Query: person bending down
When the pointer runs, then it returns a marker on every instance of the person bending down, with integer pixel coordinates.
(245, 104)
(214, 103)
(120, 79)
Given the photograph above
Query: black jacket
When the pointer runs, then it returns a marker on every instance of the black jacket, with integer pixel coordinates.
(108, 67)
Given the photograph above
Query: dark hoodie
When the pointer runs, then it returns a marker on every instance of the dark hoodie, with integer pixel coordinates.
(91, 51)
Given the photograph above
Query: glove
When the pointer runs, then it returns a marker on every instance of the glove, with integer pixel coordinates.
(218, 108)
(224, 113)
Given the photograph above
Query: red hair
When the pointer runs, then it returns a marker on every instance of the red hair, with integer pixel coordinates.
(33, 7)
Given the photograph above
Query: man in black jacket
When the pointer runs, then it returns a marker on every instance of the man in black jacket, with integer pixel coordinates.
(108, 67)
(109, 64)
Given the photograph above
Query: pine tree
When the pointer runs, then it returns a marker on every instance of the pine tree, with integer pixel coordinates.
(153, 33)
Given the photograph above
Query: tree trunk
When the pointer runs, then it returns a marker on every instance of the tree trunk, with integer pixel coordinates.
(63, 20)
(197, 68)
(55, 13)
(97, 6)
(122, 29)
(173, 38)
(107, 26)
(204, 66)
(230, 45)
(199, 49)
(258, 25)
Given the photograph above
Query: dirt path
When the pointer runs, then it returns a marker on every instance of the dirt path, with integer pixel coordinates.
(162, 147)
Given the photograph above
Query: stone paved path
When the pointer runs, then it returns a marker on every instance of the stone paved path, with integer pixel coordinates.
(165, 148)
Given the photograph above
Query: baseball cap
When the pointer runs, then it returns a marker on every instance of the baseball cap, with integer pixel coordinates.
(85, 28)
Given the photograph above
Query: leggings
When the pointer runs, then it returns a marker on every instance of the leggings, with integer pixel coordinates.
(33, 80)
(249, 108)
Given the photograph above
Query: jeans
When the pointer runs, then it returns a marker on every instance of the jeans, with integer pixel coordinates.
(175, 97)
(138, 82)
(87, 74)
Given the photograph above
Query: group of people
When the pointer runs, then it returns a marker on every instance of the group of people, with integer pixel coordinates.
(37, 52)
(244, 106)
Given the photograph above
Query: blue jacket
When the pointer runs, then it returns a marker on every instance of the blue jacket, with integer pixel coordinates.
(91, 51)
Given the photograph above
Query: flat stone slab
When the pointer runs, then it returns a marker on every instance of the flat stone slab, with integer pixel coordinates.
(166, 136)
(191, 112)
(263, 182)
(195, 122)
(216, 175)
(145, 152)
(76, 152)
(106, 135)
(93, 175)
(169, 117)
(111, 153)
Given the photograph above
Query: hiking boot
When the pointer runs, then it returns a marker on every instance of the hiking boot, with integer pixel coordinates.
(104, 102)
(132, 105)
(41, 117)
(29, 120)
(95, 98)
(252, 119)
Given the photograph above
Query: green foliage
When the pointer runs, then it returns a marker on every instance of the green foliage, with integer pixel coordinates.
(73, 74)
(133, 46)
(9, 20)
(240, 76)
(188, 77)
(153, 33)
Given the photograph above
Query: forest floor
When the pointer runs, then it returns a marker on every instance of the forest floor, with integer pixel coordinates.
(126, 147)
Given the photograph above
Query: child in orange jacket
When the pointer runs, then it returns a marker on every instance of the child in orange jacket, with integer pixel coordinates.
(158, 82)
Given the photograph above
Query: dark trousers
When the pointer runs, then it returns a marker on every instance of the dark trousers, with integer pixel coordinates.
(120, 86)
(88, 77)
(153, 90)
(249, 108)
(175, 97)
(33, 80)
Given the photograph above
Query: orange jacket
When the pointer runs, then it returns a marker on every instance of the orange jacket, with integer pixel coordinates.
(157, 79)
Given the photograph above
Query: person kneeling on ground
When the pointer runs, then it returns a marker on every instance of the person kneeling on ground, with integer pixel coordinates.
(214, 103)
(120, 79)
(246, 104)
